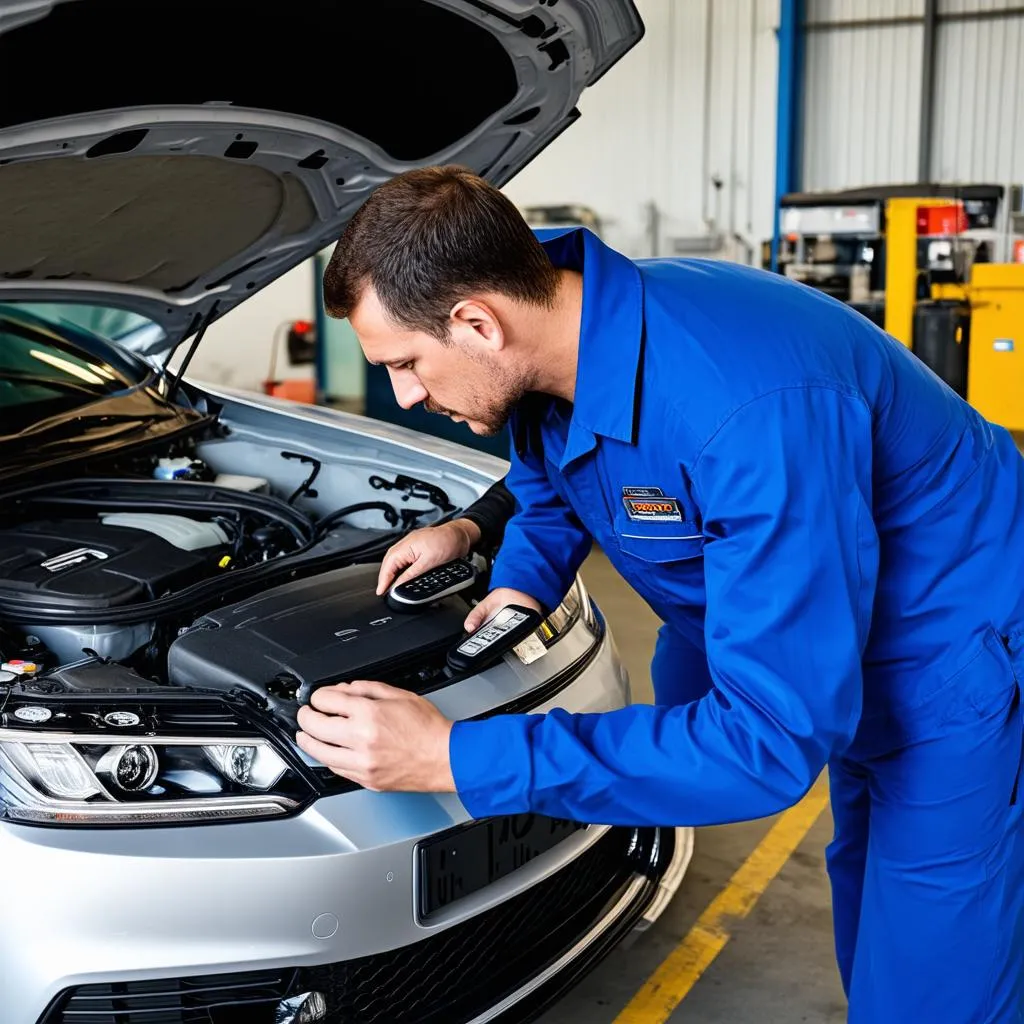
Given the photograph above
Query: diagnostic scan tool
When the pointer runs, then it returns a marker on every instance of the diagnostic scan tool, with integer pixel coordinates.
(500, 633)
(434, 585)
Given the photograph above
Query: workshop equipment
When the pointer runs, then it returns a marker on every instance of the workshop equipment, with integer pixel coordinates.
(995, 375)
(941, 335)
(838, 247)
(961, 315)
(300, 336)
(915, 260)
(921, 246)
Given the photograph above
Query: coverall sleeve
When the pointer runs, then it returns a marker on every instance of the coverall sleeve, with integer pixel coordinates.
(791, 559)
(679, 668)
(544, 543)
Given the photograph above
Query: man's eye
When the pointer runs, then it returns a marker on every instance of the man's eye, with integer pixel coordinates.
(404, 366)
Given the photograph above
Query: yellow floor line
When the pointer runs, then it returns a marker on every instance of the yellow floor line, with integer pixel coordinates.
(666, 988)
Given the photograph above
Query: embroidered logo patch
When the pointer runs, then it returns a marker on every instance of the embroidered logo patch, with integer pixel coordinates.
(652, 509)
(642, 492)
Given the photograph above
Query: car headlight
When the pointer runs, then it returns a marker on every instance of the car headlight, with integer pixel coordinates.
(125, 770)
(575, 606)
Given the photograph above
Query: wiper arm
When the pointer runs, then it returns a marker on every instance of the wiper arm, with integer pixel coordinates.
(50, 382)
(89, 429)
(75, 425)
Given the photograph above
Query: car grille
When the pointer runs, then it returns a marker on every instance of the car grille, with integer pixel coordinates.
(449, 977)
(219, 998)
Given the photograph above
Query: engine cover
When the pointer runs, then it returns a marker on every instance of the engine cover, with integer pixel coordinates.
(325, 629)
(92, 565)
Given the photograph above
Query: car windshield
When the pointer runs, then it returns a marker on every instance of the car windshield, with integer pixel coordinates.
(49, 364)
(104, 321)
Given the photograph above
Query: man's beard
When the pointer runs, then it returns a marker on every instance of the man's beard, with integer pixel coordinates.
(488, 424)
(492, 420)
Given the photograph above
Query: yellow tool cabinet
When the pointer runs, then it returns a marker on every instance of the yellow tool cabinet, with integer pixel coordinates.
(995, 358)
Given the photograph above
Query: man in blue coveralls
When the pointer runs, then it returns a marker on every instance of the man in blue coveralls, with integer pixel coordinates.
(833, 538)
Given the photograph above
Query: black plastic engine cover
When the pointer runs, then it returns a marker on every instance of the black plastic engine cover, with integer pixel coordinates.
(325, 629)
(91, 565)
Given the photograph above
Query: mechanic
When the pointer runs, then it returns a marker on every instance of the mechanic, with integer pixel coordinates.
(838, 537)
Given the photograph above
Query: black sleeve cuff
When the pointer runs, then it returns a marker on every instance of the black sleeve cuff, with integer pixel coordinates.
(491, 512)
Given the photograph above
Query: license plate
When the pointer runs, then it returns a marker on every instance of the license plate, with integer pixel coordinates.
(454, 866)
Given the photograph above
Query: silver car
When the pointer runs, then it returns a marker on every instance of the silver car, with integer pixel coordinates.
(180, 566)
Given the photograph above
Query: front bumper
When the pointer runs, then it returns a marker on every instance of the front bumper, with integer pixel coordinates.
(95, 920)
(505, 965)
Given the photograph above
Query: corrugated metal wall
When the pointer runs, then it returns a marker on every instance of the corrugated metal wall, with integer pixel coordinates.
(979, 106)
(976, 6)
(862, 92)
(692, 105)
(862, 102)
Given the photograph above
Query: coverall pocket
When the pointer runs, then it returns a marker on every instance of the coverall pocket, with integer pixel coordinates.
(1010, 649)
(1015, 792)
(659, 541)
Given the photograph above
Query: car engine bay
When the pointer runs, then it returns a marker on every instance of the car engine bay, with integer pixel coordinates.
(166, 611)
(164, 575)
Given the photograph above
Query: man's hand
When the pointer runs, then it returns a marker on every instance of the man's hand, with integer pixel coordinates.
(498, 599)
(379, 736)
(424, 548)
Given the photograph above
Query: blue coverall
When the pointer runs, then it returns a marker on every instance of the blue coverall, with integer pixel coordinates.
(836, 543)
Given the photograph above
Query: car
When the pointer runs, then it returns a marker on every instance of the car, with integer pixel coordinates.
(181, 565)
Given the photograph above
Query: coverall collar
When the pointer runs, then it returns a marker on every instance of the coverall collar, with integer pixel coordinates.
(611, 340)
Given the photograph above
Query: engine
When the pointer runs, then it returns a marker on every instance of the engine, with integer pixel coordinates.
(127, 584)
(283, 644)
(114, 561)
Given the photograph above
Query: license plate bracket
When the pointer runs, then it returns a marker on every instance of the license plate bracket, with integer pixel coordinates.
(459, 863)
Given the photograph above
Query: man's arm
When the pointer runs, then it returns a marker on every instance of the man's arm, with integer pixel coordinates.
(791, 560)
(480, 526)
(544, 543)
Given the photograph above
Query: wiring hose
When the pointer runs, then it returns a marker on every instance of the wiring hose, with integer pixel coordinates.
(391, 514)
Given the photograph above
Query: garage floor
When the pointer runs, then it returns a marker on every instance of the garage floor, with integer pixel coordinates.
(777, 967)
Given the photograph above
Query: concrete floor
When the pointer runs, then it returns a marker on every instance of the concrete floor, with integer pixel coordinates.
(779, 967)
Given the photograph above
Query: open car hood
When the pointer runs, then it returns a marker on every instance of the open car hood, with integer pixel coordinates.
(166, 156)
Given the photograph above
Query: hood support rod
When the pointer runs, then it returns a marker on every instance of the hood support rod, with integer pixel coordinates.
(201, 324)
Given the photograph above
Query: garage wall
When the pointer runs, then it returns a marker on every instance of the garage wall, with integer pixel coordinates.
(979, 81)
(692, 104)
(862, 92)
(862, 97)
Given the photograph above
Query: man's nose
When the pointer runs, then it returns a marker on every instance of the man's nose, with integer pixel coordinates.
(407, 388)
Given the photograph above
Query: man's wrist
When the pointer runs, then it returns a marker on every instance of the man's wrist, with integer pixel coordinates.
(469, 530)
(446, 777)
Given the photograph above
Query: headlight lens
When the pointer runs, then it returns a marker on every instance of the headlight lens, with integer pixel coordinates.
(57, 770)
(587, 611)
(94, 778)
(129, 769)
(245, 764)
(574, 607)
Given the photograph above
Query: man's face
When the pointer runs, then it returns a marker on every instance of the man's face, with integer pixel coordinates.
(467, 379)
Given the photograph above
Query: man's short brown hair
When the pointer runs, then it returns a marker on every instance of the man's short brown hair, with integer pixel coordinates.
(430, 237)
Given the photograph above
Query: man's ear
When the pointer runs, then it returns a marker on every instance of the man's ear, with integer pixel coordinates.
(476, 323)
